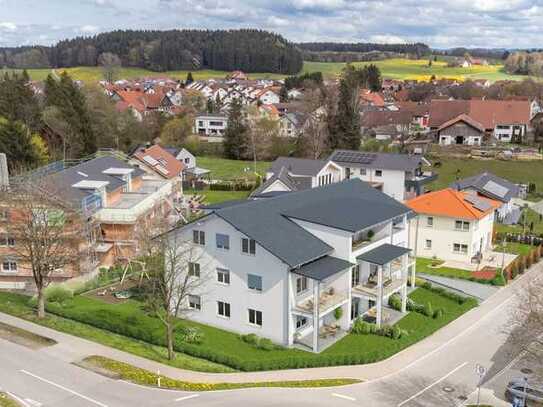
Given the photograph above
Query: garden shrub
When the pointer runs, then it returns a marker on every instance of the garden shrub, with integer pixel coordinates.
(428, 310)
(265, 344)
(498, 280)
(58, 294)
(190, 334)
(438, 313)
(251, 339)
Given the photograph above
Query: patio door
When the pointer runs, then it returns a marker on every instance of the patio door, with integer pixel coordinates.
(355, 308)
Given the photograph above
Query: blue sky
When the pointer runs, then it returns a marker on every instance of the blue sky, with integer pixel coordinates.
(471, 23)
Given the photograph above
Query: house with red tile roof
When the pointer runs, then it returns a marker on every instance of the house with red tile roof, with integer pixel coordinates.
(452, 225)
(141, 103)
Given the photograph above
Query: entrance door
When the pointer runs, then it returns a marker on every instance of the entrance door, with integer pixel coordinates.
(459, 139)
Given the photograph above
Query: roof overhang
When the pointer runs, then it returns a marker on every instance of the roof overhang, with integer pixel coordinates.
(383, 254)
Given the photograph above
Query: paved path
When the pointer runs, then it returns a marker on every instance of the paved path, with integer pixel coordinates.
(434, 372)
(479, 291)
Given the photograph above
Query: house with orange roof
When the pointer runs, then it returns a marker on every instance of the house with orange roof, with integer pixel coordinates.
(452, 225)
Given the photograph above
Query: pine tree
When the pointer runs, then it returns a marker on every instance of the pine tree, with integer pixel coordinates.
(190, 79)
(236, 134)
(283, 94)
(16, 142)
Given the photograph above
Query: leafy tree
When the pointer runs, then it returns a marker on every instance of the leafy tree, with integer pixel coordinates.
(236, 134)
(176, 131)
(283, 94)
(23, 149)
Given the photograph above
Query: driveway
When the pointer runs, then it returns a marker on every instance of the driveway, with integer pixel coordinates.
(465, 287)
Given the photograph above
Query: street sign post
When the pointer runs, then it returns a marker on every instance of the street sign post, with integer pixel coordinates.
(480, 371)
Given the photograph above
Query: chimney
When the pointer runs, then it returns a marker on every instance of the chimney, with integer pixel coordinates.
(4, 174)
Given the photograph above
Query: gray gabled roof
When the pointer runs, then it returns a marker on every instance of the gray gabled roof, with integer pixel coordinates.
(382, 161)
(350, 205)
(383, 254)
(489, 185)
(297, 166)
(292, 183)
(323, 268)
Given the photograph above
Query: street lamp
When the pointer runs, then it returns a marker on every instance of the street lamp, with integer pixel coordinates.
(524, 394)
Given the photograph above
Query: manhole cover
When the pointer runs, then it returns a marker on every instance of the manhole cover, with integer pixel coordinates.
(448, 389)
(526, 370)
(462, 398)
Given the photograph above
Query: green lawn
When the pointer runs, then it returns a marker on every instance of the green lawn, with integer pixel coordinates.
(517, 248)
(6, 401)
(224, 169)
(397, 68)
(129, 318)
(17, 305)
(212, 197)
(531, 217)
(424, 266)
(518, 171)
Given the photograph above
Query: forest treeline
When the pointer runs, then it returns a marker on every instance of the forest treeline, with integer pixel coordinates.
(247, 50)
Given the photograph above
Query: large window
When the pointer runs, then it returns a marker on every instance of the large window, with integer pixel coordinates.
(199, 237)
(378, 173)
(194, 270)
(300, 321)
(460, 248)
(255, 317)
(461, 225)
(254, 282)
(9, 266)
(301, 284)
(6, 240)
(248, 246)
(195, 302)
(223, 276)
(223, 241)
(223, 309)
(355, 277)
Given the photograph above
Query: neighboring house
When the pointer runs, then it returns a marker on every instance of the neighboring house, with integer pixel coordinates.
(452, 225)
(505, 120)
(462, 130)
(141, 103)
(211, 127)
(115, 202)
(491, 186)
(397, 175)
(237, 76)
(268, 97)
(280, 267)
(191, 171)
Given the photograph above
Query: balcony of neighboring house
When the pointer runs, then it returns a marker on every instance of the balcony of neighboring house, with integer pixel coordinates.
(370, 236)
(381, 272)
(320, 305)
(418, 178)
(132, 205)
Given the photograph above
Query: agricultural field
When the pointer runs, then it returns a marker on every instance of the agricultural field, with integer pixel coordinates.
(398, 68)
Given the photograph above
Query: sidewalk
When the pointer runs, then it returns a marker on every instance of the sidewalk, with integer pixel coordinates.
(72, 349)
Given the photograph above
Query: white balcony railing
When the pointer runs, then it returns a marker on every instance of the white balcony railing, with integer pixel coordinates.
(134, 206)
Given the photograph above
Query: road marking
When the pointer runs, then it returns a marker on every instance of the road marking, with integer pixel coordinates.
(64, 388)
(342, 396)
(18, 399)
(414, 396)
(33, 403)
(187, 397)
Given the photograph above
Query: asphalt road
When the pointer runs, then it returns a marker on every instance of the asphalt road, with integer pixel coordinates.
(443, 377)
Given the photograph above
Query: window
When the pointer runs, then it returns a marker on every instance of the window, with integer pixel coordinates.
(378, 173)
(461, 225)
(4, 214)
(194, 270)
(362, 171)
(248, 246)
(428, 244)
(187, 160)
(223, 241)
(430, 221)
(223, 309)
(300, 321)
(301, 285)
(199, 237)
(255, 317)
(223, 276)
(254, 282)
(200, 123)
(355, 277)
(9, 266)
(6, 240)
(194, 302)
(460, 248)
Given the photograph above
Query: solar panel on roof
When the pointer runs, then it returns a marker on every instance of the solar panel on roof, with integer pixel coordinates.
(354, 157)
(478, 203)
(495, 189)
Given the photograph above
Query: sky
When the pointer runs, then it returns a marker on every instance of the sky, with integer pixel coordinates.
(440, 24)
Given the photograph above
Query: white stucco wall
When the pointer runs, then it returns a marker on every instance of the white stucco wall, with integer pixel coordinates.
(393, 181)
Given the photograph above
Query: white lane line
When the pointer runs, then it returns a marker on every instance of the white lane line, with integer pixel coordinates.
(414, 396)
(33, 403)
(13, 396)
(187, 397)
(342, 396)
(64, 388)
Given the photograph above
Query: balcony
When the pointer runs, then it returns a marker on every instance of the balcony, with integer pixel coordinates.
(368, 237)
(329, 299)
(369, 288)
(132, 205)
(420, 178)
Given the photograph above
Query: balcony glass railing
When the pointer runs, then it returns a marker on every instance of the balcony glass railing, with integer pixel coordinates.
(328, 299)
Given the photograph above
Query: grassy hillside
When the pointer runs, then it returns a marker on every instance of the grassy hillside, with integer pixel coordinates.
(391, 68)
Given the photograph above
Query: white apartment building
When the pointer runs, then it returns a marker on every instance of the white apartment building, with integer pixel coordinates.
(281, 267)
(452, 225)
(211, 126)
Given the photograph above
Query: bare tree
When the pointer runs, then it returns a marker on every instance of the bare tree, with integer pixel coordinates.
(176, 272)
(526, 322)
(314, 136)
(47, 235)
(111, 66)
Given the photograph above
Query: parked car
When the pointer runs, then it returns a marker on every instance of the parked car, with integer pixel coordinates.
(516, 389)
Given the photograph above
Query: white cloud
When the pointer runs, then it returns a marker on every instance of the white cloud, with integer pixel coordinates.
(89, 28)
(387, 39)
(8, 26)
